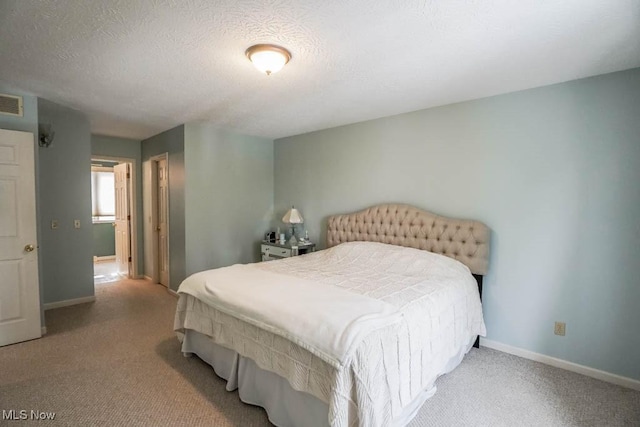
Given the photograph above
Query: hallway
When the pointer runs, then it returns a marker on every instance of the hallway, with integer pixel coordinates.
(105, 272)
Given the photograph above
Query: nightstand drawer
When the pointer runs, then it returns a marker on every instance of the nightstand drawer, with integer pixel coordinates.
(281, 252)
(272, 252)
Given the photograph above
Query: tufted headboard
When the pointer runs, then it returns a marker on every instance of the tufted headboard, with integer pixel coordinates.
(404, 225)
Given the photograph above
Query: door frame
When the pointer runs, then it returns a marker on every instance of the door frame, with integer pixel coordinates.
(155, 253)
(134, 270)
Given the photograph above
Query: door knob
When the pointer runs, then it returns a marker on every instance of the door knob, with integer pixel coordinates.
(113, 223)
(29, 248)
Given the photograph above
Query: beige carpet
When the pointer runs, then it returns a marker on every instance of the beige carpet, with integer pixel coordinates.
(116, 362)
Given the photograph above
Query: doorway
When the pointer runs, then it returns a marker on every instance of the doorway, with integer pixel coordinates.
(113, 198)
(156, 195)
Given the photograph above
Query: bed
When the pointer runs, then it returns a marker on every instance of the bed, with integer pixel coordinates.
(354, 335)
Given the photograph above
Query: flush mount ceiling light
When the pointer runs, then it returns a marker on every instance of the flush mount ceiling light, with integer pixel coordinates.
(268, 58)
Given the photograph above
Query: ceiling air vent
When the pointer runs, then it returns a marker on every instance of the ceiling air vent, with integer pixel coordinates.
(11, 105)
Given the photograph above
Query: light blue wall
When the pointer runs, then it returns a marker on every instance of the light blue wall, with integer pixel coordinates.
(102, 145)
(65, 195)
(553, 171)
(228, 196)
(172, 142)
(104, 239)
(132, 149)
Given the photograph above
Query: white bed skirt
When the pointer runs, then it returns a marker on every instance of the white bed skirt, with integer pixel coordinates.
(285, 406)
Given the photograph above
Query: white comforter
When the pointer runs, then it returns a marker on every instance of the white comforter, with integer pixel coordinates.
(327, 320)
(425, 310)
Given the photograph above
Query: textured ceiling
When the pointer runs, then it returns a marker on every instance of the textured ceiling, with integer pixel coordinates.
(139, 67)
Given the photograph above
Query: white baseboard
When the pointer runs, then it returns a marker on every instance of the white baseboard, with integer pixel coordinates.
(68, 302)
(563, 364)
(104, 258)
(43, 330)
(172, 292)
(148, 278)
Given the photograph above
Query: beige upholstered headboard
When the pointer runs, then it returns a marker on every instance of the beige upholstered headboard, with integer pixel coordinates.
(404, 225)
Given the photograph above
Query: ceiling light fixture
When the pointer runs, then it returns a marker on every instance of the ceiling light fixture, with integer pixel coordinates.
(268, 58)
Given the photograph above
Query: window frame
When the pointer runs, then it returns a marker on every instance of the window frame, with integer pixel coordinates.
(100, 219)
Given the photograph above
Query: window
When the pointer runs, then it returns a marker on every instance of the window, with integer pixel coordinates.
(103, 198)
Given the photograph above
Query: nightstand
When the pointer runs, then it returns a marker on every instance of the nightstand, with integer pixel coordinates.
(274, 250)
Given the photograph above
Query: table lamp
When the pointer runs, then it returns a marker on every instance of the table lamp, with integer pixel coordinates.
(293, 217)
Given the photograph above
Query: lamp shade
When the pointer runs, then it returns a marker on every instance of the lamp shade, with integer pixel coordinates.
(293, 217)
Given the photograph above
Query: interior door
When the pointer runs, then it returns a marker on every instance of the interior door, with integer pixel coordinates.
(162, 227)
(123, 246)
(19, 289)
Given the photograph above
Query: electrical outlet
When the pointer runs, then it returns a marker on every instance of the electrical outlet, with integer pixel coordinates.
(76, 223)
(54, 224)
(560, 328)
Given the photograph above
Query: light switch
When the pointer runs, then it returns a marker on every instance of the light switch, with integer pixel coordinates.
(76, 223)
(54, 224)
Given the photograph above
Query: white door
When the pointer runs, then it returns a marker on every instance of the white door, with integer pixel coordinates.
(19, 289)
(162, 228)
(121, 178)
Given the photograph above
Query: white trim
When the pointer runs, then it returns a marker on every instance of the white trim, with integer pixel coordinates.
(68, 302)
(95, 168)
(563, 364)
(103, 221)
(172, 292)
(104, 258)
(43, 330)
(147, 278)
(155, 273)
(133, 209)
